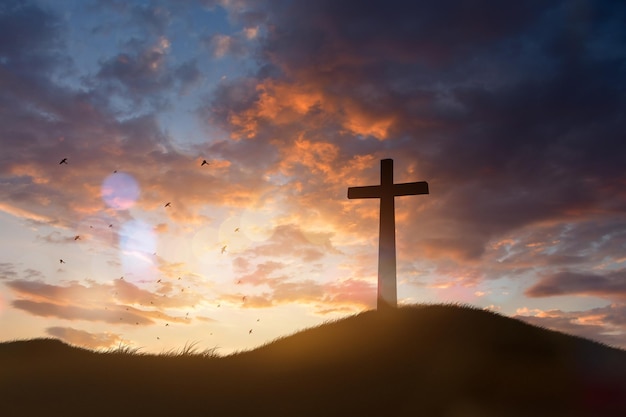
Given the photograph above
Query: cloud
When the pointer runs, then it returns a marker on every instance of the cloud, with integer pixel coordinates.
(84, 338)
(501, 95)
(289, 240)
(188, 76)
(30, 37)
(222, 45)
(605, 324)
(610, 285)
(270, 284)
(141, 71)
(514, 118)
(119, 302)
(7, 271)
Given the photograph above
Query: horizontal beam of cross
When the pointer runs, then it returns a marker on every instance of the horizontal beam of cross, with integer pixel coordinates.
(395, 190)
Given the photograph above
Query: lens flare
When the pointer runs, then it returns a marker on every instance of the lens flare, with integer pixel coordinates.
(120, 191)
(138, 245)
(211, 262)
(205, 243)
(230, 234)
(258, 223)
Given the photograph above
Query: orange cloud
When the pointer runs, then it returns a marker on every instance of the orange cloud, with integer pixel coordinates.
(118, 303)
(85, 339)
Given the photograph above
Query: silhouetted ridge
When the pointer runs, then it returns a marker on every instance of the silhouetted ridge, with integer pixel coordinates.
(413, 361)
(43, 346)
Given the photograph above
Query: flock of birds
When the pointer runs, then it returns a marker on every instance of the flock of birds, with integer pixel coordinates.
(168, 204)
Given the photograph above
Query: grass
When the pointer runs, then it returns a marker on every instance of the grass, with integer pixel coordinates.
(437, 360)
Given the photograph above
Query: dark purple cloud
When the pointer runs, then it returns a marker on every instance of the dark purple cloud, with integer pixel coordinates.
(29, 38)
(611, 285)
(514, 113)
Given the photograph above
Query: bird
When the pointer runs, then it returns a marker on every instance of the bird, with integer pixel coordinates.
(63, 161)
(204, 162)
(244, 298)
(61, 261)
(168, 204)
(121, 277)
(115, 171)
(250, 331)
(77, 237)
(111, 225)
(236, 229)
(224, 248)
(159, 280)
(167, 324)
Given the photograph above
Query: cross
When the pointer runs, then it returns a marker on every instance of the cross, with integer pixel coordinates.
(386, 191)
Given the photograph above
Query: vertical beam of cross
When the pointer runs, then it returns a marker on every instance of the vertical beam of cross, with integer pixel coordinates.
(387, 191)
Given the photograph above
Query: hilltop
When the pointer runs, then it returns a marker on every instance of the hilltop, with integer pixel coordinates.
(414, 361)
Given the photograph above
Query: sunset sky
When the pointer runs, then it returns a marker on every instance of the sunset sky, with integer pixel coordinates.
(514, 112)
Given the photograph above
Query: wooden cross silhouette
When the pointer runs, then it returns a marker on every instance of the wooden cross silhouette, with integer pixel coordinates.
(386, 191)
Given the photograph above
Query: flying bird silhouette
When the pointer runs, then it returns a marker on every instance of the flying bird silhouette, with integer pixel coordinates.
(168, 204)
(204, 162)
(61, 261)
(63, 161)
(224, 248)
(236, 229)
(77, 237)
(250, 331)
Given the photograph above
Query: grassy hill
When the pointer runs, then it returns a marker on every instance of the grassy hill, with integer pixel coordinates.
(415, 361)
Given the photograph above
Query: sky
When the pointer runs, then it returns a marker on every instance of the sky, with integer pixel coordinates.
(513, 112)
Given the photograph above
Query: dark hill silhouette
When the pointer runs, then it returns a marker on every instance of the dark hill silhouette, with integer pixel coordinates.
(413, 361)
